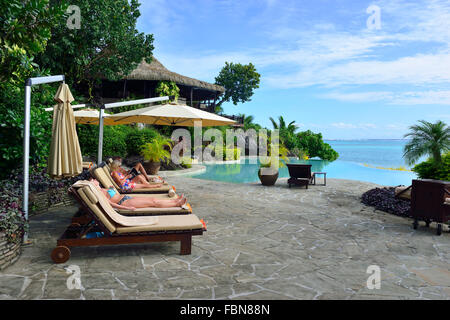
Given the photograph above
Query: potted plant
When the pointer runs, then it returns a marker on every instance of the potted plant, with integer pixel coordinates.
(154, 152)
(268, 172)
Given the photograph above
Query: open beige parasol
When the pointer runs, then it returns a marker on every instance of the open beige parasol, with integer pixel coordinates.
(170, 115)
(65, 158)
(91, 116)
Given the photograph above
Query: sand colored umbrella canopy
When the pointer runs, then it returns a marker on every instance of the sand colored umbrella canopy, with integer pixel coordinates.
(91, 116)
(170, 115)
(65, 158)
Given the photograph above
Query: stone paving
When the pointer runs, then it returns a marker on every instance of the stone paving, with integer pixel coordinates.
(261, 243)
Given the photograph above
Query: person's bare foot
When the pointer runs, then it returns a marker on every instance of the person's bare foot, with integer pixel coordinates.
(182, 200)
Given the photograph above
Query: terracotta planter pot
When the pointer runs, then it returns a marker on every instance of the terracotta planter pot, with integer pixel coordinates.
(151, 168)
(269, 177)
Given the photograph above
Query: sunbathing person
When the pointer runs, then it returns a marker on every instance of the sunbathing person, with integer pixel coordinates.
(138, 169)
(132, 202)
(128, 182)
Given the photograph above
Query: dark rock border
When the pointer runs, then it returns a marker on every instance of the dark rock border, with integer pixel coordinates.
(384, 199)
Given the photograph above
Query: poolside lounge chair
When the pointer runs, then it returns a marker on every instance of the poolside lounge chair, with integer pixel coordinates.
(104, 177)
(81, 215)
(300, 174)
(430, 202)
(115, 228)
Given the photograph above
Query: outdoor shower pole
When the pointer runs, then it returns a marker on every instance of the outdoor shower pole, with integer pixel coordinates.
(100, 134)
(26, 153)
(26, 137)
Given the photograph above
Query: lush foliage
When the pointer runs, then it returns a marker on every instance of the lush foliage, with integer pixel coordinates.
(167, 88)
(24, 32)
(427, 139)
(313, 144)
(157, 150)
(121, 140)
(107, 44)
(186, 162)
(279, 158)
(303, 144)
(429, 169)
(25, 28)
(11, 125)
(239, 82)
(114, 139)
(138, 137)
(248, 122)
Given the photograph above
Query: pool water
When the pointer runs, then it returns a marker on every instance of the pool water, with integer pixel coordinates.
(247, 171)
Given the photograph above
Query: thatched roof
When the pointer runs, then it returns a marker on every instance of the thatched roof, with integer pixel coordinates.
(156, 71)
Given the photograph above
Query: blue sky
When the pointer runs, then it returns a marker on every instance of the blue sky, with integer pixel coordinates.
(320, 63)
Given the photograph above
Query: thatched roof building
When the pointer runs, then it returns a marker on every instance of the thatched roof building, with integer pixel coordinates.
(143, 80)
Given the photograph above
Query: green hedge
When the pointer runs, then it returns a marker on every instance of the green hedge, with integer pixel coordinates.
(429, 170)
(119, 140)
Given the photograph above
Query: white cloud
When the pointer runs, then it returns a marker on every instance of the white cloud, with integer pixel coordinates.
(409, 98)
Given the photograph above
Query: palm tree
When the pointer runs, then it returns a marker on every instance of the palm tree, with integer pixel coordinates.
(248, 122)
(291, 127)
(427, 138)
(287, 132)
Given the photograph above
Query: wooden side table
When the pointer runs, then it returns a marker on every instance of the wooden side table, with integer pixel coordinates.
(324, 177)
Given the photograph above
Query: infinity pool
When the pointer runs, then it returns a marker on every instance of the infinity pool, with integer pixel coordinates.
(246, 171)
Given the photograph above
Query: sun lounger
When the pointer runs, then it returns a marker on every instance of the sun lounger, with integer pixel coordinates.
(300, 174)
(114, 228)
(105, 179)
(430, 202)
(82, 217)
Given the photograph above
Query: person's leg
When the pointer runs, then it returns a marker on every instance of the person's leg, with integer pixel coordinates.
(140, 179)
(140, 168)
(144, 202)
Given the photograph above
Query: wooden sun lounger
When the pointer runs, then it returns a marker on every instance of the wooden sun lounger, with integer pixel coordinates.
(82, 216)
(430, 202)
(102, 175)
(167, 228)
(300, 174)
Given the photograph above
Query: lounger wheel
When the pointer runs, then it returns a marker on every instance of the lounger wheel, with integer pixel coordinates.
(439, 229)
(60, 254)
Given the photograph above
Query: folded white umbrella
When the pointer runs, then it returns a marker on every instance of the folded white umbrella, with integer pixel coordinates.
(65, 156)
(170, 115)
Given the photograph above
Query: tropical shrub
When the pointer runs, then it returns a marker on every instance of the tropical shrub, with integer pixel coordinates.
(167, 88)
(230, 154)
(313, 144)
(11, 125)
(12, 219)
(186, 162)
(427, 138)
(430, 170)
(114, 139)
(157, 150)
(138, 137)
